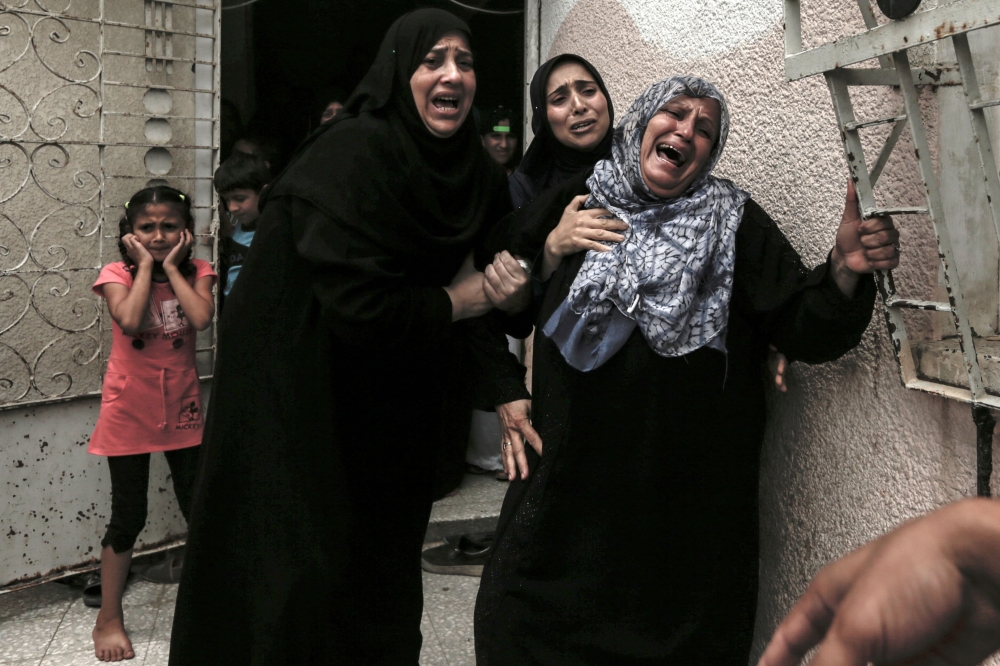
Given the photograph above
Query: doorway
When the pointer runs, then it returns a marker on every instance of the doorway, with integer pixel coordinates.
(284, 60)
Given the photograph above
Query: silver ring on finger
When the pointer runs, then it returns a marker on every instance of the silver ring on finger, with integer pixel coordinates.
(895, 246)
(504, 446)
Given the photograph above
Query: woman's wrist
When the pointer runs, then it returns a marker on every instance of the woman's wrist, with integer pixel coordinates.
(456, 307)
(846, 279)
(550, 261)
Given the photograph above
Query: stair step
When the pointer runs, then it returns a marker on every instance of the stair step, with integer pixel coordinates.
(475, 508)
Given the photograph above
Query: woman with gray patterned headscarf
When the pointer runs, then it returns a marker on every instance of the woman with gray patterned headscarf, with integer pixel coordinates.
(634, 539)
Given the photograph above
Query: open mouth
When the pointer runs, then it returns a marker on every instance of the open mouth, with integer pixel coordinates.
(670, 154)
(446, 103)
(582, 126)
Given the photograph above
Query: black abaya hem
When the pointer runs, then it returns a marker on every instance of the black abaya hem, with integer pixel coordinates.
(635, 539)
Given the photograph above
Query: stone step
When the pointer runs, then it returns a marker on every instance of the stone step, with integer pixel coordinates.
(474, 508)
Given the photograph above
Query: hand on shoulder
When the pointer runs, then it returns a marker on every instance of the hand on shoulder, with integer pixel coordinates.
(580, 230)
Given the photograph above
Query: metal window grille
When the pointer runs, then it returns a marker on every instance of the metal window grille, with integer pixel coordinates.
(890, 44)
(98, 98)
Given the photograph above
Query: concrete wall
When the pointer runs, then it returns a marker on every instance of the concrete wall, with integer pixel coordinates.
(57, 497)
(848, 453)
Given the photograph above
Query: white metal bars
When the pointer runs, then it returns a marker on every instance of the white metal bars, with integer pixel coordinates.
(92, 108)
(920, 28)
(889, 43)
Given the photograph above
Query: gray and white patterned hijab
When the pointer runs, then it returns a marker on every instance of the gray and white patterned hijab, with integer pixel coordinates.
(673, 274)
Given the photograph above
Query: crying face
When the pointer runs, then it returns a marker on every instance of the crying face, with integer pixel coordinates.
(678, 143)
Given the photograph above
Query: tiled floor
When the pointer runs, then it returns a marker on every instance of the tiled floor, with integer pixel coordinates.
(48, 625)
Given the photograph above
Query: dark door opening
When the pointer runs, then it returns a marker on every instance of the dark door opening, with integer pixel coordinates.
(284, 60)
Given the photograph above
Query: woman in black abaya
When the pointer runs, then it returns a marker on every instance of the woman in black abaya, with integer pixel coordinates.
(315, 487)
(634, 539)
(572, 118)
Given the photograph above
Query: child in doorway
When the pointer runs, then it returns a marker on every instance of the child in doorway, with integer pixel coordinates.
(158, 297)
(239, 182)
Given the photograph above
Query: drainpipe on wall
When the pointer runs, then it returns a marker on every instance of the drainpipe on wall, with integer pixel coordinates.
(532, 57)
(985, 423)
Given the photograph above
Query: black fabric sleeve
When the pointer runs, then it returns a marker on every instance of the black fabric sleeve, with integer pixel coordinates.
(364, 296)
(523, 233)
(803, 313)
(498, 377)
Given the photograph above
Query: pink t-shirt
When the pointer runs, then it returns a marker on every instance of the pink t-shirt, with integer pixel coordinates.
(151, 396)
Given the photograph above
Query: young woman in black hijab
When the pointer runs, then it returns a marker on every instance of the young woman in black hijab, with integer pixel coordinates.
(551, 159)
(570, 91)
(315, 485)
(573, 123)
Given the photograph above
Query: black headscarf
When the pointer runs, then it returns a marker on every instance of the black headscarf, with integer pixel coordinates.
(547, 162)
(376, 169)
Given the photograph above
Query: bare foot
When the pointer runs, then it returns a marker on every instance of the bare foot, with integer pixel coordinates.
(111, 643)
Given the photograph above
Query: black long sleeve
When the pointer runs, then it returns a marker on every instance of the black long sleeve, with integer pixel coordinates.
(801, 312)
(498, 377)
(366, 297)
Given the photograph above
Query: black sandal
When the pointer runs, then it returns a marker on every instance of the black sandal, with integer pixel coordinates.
(167, 571)
(461, 555)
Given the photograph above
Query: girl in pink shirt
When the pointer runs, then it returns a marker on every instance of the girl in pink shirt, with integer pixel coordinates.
(158, 298)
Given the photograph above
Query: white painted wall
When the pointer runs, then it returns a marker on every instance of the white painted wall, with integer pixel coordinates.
(848, 453)
(57, 497)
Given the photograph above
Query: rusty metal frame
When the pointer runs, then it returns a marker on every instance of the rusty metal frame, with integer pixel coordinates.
(880, 41)
(889, 43)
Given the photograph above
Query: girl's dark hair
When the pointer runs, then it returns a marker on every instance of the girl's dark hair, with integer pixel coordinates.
(158, 194)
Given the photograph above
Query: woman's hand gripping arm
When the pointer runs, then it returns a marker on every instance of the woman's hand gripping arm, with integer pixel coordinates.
(467, 292)
(197, 301)
(508, 285)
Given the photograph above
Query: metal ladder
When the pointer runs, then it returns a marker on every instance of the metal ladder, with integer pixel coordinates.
(889, 43)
